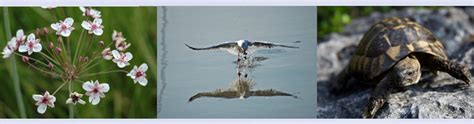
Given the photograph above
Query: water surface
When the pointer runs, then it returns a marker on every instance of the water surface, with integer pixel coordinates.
(184, 72)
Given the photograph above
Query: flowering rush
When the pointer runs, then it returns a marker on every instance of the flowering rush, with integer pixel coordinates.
(95, 91)
(138, 74)
(73, 61)
(90, 12)
(31, 45)
(43, 101)
(94, 27)
(13, 44)
(63, 28)
(122, 58)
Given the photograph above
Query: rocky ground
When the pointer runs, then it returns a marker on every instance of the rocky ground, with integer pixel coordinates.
(442, 97)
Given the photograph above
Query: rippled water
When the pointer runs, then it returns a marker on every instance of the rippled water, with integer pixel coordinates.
(183, 72)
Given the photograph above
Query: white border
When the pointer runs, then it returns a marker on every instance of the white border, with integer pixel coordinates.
(235, 121)
(395, 2)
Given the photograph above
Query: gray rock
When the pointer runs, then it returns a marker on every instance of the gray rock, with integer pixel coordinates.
(440, 97)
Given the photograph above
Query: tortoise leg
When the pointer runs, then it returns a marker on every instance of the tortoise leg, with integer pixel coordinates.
(406, 72)
(452, 68)
(378, 97)
(341, 82)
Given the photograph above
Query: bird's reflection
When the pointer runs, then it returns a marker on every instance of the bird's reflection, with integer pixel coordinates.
(241, 88)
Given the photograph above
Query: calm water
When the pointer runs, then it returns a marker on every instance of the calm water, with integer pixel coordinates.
(184, 72)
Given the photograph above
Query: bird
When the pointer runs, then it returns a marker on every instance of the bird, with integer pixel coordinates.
(240, 89)
(241, 47)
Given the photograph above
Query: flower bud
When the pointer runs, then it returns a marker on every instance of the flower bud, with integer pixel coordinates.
(25, 59)
(38, 32)
(50, 65)
(51, 45)
(58, 50)
(101, 43)
(46, 30)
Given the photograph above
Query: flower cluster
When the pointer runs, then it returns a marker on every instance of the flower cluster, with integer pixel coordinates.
(58, 59)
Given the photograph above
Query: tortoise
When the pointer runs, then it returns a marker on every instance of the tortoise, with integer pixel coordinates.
(390, 56)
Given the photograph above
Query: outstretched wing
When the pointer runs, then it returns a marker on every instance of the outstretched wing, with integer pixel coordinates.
(228, 94)
(270, 92)
(229, 45)
(264, 44)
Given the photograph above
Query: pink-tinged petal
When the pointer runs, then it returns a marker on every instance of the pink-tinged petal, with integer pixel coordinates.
(98, 32)
(31, 37)
(81, 101)
(104, 87)
(83, 9)
(88, 93)
(68, 21)
(51, 104)
(52, 99)
(41, 108)
(69, 101)
(128, 56)
(19, 33)
(94, 99)
(121, 64)
(143, 67)
(88, 86)
(6, 53)
(143, 81)
(86, 25)
(37, 47)
(66, 33)
(37, 97)
(116, 54)
(98, 21)
(55, 26)
(23, 48)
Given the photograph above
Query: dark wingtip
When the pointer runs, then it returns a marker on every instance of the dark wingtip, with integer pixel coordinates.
(189, 46)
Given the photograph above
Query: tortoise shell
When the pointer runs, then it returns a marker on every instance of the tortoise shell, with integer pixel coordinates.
(389, 41)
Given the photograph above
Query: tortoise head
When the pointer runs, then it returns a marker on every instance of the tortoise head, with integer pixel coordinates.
(407, 71)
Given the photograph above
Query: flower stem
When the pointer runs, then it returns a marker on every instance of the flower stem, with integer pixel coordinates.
(103, 72)
(16, 79)
(78, 46)
(62, 85)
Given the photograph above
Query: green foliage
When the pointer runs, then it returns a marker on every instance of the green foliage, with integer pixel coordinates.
(334, 18)
(124, 100)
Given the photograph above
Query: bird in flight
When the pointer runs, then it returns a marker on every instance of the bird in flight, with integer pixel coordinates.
(241, 47)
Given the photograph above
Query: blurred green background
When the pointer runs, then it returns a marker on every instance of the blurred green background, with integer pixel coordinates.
(124, 100)
(334, 18)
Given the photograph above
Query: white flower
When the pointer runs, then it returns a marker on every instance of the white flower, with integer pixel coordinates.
(75, 98)
(31, 45)
(10, 48)
(121, 45)
(20, 37)
(117, 36)
(138, 74)
(106, 54)
(43, 101)
(94, 27)
(63, 28)
(95, 91)
(121, 59)
(90, 12)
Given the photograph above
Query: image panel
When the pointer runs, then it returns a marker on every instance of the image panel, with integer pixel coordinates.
(78, 62)
(395, 62)
(237, 62)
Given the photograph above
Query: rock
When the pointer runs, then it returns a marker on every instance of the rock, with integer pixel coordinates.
(440, 97)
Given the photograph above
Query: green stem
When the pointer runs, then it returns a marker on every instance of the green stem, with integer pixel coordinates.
(78, 46)
(103, 72)
(16, 78)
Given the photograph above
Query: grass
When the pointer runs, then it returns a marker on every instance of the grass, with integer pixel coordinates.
(124, 100)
